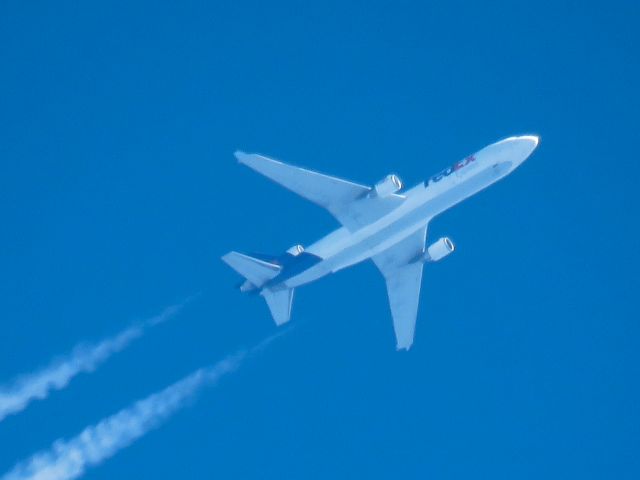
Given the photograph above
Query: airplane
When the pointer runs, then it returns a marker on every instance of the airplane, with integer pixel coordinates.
(378, 223)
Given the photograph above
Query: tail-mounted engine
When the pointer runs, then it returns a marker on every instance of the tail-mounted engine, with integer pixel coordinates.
(388, 185)
(295, 250)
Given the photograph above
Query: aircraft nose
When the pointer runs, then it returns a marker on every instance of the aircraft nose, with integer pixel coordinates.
(529, 143)
(521, 148)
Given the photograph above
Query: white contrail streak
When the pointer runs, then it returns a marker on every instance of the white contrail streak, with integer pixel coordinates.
(15, 396)
(69, 459)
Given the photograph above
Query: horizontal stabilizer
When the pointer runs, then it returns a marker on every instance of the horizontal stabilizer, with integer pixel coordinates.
(257, 271)
(279, 302)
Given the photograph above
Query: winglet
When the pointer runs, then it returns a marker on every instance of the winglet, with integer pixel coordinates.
(239, 154)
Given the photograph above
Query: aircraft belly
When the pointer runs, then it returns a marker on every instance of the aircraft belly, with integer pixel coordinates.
(460, 190)
(311, 274)
(342, 249)
(367, 247)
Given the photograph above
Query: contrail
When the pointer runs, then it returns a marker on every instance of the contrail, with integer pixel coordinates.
(16, 395)
(69, 459)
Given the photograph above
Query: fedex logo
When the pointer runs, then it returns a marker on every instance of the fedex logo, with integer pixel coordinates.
(453, 168)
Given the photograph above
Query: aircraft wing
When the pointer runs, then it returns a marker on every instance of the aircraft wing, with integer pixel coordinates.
(403, 275)
(348, 202)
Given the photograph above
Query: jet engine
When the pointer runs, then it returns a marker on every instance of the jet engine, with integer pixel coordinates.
(440, 249)
(295, 250)
(388, 185)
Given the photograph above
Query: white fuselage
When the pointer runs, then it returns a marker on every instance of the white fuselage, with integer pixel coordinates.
(343, 248)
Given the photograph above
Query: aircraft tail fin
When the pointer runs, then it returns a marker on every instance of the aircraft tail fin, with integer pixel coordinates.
(256, 271)
(279, 302)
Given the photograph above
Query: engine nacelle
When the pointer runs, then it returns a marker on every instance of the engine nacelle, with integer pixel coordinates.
(295, 250)
(438, 250)
(388, 185)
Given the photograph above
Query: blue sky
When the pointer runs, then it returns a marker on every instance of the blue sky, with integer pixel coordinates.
(119, 193)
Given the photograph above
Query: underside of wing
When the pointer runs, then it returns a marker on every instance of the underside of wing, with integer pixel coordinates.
(402, 270)
(350, 203)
